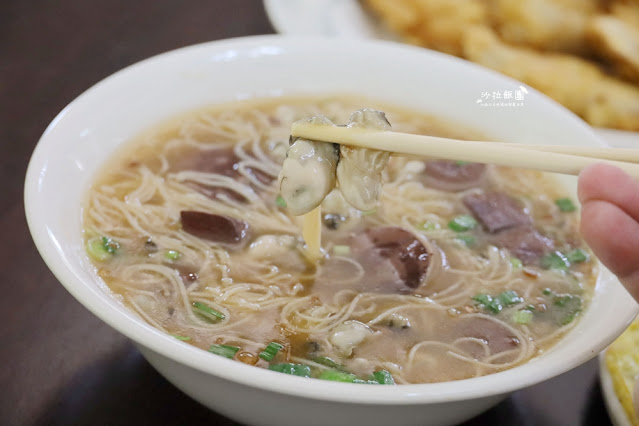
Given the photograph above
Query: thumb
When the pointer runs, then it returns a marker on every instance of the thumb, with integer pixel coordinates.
(610, 220)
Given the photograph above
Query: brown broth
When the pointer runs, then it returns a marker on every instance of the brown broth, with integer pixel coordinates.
(267, 291)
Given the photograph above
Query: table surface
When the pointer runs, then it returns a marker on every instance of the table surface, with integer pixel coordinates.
(60, 365)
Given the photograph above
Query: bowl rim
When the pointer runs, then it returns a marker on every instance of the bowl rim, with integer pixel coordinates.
(180, 352)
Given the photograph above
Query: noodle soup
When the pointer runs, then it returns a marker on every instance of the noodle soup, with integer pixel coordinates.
(461, 270)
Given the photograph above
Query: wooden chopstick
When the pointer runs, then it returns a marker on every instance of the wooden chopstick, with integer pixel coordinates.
(627, 155)
(552, 159)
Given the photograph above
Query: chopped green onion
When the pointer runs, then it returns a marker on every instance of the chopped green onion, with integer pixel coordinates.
(338, 376)
(523, 317)
(429, 226)
(559, 261)
(110, 245)
(577, 256)
(565, 205)
(328, 362)
(270, 351)
(516, 263)
(461, 163)
(383, 377)
(369, 213)
(182, 338)
(96, 250)
(468, 240)
(341, 250)
(570, 305)
(568, 319)
(293, 369)
(224, 350)
(102, 249)
(172, 254)
(547, 292)
(483, 298)
(566, 300)
(208, 312)
(496, 304)
(488, 302)
(280, 201)
(555, 260)
(508, 298)
(462, 223)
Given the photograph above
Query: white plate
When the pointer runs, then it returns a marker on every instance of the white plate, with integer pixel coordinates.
(346, 18)
(615, 409)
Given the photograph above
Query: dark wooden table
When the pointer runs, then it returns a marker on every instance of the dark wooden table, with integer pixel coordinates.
(59, 365)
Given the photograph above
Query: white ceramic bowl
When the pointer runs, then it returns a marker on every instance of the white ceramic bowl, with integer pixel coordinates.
(87, 132)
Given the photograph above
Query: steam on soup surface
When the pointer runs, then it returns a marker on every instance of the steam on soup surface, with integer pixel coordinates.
(461, 270)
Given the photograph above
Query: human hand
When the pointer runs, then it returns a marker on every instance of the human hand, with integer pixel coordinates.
(610, 221)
